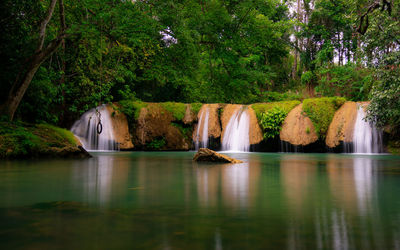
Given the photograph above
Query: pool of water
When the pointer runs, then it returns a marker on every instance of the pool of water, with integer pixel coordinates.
(163, 200)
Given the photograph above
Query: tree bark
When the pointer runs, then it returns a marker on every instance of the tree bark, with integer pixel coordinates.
(26, 74)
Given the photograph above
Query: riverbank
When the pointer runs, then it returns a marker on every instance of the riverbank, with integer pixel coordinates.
(24, 140)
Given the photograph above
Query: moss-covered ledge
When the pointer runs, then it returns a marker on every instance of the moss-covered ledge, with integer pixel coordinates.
(23, 140)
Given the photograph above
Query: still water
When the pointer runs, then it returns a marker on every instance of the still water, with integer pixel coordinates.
(149, 200)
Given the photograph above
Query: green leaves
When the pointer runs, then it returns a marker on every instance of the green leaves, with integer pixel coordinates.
(271, 122)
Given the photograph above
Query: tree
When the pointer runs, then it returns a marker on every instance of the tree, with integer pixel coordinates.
(32, 64)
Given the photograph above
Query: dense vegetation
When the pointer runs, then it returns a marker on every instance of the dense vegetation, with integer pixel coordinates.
(198, 51)
(18, 140)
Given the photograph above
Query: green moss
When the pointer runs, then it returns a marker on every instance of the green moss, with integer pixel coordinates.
(286, 106)
(177, 109)
(156, 144)
(271, 115)
(196, 107)
(321, 112)
(27, 140)
(132, 108)
(185, 130)
(394, 147)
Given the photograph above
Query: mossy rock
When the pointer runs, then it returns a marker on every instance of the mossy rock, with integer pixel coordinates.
(286, 106)
(23, 140)
(321, 112)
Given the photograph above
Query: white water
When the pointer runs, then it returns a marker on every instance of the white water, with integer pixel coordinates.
(86, 130)
(366, 138)
(236, 135)
(203, 122)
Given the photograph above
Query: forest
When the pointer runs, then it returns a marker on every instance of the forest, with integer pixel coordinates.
(63, 57)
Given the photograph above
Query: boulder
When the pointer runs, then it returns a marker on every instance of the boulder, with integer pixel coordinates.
(156, 129)
(190, 116)
(298, 129)
(121, 129)
(255, 133)
(208, 155)
(342, 125)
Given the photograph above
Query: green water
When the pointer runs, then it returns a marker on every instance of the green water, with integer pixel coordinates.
(148, 200)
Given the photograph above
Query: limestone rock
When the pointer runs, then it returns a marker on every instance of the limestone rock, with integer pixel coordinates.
(121, 129)
(214, 126)
(255, 133)
(155, 123)
(190, 116)
(342, 125)
(298, 129)
(205, 154)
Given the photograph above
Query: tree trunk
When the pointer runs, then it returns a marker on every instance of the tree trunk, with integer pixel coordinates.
(26, 75)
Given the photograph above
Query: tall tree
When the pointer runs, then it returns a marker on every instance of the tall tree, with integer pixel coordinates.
(32, 64)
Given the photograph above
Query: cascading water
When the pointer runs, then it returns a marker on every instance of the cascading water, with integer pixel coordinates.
(203, 123)
(86, 130)
(236, 135)
(366, 137)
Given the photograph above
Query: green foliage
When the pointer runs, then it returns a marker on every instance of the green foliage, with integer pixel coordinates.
(186, 130)
(132, 108)
(321, 112)
(271, 115)
(271, 122)
(347, 80)
(26, 140)
(156, 144)
(384, 108)
(272, 96)
(307, 77)
(177, 110)
(261, 108)
(196, 107)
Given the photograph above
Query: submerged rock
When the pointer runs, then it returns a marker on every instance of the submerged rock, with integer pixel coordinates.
(298, 129)
(205, 154)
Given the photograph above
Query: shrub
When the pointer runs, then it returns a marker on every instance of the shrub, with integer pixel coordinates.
(271, 122)
(156, 144)
(260, 108)
(321, 112)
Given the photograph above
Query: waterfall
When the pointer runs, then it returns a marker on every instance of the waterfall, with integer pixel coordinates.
(203, 123)
(366, 137)
(236, 135)
(86, 130)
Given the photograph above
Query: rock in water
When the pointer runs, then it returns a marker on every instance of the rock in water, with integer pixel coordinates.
(205, 154)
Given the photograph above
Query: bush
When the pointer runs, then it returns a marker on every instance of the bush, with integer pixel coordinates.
(321, 112)
(271, 96)
(271, 122)
(156, 144)
(260, 108)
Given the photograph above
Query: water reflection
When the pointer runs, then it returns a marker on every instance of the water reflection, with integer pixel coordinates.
(236, 185)
(164, 200)
(97, 179)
